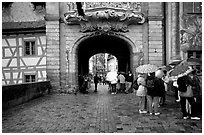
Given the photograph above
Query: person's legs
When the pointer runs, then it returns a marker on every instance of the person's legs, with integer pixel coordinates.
(142, 106)
(183, 106)
(193, 106)
(127, 86)
(176, 93)
(150, 101)
(156, 104)
(113, 88)
(123, 87)
(96, 86)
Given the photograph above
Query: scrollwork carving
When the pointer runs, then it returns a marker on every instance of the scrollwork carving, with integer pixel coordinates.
(104, 19)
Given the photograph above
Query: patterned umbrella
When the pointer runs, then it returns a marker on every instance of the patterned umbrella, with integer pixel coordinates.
(147, 68)
(167, 68)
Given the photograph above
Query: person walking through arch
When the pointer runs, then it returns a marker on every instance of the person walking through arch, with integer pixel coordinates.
(96, 81)
(121, 81)
(129, 81)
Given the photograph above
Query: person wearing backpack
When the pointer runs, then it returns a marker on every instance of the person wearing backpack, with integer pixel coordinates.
(154, 88)
(186, 94)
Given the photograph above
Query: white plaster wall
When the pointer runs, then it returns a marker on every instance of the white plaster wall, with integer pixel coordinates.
(12, 41)
(4, 62)
(31, 61)
(4, 43)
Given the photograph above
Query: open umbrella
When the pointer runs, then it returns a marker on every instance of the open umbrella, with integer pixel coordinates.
(147, 68)
(174, 63)
(193, 61)
(167, 68)
(179, 69)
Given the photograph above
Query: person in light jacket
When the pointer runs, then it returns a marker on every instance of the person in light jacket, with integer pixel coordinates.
(141, 93)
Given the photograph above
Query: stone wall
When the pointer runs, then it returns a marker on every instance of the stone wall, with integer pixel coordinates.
(53, 44)
(13, 95)
(61, 65)
(155, 33)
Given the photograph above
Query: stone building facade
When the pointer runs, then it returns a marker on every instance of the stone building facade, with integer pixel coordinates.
(135, 32)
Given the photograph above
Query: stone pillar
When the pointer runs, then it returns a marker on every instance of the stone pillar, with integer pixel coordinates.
(63, 49)
(53, 44)
(175, 30)
(155, 48)
(145, 35)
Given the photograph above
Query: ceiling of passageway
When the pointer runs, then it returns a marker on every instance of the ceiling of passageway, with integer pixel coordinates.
(104, 44)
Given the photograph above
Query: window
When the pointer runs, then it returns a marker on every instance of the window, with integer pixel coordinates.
(196, 54)
(29, 78)
(192, 7)
(29, 47)
(38, 5)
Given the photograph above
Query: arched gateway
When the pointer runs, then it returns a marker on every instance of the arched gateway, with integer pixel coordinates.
(97, 28)
(89, 45)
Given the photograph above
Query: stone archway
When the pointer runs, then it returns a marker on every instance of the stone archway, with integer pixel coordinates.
(86, 46)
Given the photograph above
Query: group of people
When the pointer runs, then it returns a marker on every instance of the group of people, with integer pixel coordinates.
(152, 87)
(119, 82)
(86, 80)
(84, 83)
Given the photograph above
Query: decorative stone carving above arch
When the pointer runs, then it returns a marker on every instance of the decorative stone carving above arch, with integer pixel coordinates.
(104, 19)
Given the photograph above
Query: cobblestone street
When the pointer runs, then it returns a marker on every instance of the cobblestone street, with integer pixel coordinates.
(98, 112)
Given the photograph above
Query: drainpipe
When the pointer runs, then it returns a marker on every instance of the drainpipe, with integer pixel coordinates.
(164, 36)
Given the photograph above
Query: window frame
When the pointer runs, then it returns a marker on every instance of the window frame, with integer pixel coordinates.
(30, 77)
(30, 47)
(193, 8)
(197, 66)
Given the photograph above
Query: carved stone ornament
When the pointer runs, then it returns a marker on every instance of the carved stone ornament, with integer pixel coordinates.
(104, 19)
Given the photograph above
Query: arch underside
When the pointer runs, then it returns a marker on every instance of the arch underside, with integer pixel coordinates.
(112, 44)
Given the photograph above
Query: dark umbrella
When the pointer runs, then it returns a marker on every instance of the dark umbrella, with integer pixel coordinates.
(193, 60)
(179, 69)
(174, 63)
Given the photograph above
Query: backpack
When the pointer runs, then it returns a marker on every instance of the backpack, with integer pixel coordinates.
(150, 83)
(135, 85)
(182, 84)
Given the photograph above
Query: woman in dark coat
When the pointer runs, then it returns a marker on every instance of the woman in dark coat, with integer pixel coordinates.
(154, 92)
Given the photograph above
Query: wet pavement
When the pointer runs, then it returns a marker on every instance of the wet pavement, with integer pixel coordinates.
(96, 112)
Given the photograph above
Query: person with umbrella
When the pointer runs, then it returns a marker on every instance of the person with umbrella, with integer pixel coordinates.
(112, 77)
(185, 84)
(150, 85)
